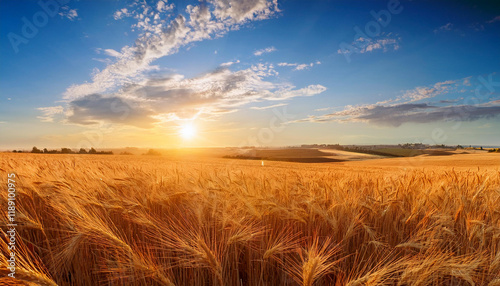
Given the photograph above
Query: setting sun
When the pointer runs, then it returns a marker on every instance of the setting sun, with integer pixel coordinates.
(187, 131)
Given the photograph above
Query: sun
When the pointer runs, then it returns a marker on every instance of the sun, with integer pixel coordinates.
(187, 131)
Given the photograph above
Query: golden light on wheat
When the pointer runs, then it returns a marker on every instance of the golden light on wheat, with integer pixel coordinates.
(158, 221)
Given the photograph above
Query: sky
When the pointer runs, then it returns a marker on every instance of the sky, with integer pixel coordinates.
(214, 73)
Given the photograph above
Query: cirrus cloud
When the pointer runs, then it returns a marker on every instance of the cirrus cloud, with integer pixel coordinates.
(264, 51)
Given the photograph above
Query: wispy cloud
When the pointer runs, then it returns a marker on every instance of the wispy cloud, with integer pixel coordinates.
(425, 92)
(323, 109)
(49, 113)
(297, 66)
(446, 27)
(121, 14)
(163, 6)
(68, 13)
(109, 52)
(264, 51)
(268, 107)
(362, 45)
(227, 64)
(449, 100)
(496, 19)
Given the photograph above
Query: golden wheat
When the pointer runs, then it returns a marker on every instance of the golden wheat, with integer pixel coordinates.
(135, 220)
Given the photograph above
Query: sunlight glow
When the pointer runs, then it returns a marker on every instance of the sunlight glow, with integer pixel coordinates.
(187, 131)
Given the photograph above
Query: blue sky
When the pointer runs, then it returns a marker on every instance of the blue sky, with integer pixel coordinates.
(249, 72)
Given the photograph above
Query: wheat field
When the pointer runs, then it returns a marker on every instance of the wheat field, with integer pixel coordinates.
(138, 220)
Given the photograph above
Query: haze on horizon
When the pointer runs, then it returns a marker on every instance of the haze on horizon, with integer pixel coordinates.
(163, 73)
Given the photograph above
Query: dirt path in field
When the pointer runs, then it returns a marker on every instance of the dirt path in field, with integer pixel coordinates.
(351, 156)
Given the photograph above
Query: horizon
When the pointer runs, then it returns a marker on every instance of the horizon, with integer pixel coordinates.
(171, 74)
(303, 146)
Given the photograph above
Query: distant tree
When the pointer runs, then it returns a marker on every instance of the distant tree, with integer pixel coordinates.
(92, 151)
(66, 151)
(153, 152)
(82, 151)
(15, 151)
(481, 148)
(35, 150)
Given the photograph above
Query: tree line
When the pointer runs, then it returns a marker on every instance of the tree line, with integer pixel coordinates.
(66, 151)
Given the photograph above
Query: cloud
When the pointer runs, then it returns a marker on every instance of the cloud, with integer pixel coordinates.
(467, 80)
(126, 93)
(449, 101)
(109, 52)
(106, 61)
(125, 84)
(397, 115)
(306, 91)
(156, 100)
(368, 45)
(243, 10)
(446, 27)
(264, 51)
(405, 109)
(163, 6)
(422, 92)
(68, 13)
(322, 109)
(121, 14)
(382, 44)
(162, 38)
(268, 107)
(476, 26)
(298, 66)
(227, 64)
(94, 108)
(50, 112)
(496, 19)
